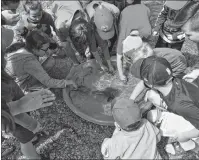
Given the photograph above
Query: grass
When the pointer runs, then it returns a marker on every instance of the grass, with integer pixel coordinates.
(69, 136)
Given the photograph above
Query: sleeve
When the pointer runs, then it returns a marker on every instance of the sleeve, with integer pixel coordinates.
(162, 17)
(121, 38)
(114, 10)
(190, 112)
(108, 150)
(34, 68)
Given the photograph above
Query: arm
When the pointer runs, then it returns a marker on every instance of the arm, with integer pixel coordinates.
(137, 90)
(162, 17)
(119, 65)
(31, 102)
(34, 68)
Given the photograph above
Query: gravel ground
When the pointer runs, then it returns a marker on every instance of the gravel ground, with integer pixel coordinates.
(70, 137)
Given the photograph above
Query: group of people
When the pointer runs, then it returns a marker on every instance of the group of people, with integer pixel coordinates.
(78, 31)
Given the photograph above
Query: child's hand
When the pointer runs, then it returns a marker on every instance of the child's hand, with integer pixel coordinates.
(123, 78)
(181, 36)
(155, 33)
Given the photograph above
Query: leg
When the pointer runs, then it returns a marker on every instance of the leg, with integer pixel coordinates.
(26, 121)
(104, 47)
(161, 43)
(25, 137)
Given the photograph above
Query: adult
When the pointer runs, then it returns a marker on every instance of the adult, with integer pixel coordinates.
(129, 24)
(26, 62)
(13, 114)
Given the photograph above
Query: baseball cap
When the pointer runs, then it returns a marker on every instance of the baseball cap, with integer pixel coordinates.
(104, 22)
(176, 5)
(126, 112)
(155, 71)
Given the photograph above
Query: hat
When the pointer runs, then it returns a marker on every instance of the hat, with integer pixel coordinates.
(104, 22)
(155, 71)
(131, 43)
(126, 112)
(176, 5)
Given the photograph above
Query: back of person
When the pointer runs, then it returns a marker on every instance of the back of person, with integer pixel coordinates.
(184, 100)
(139, 144)
(130, 15)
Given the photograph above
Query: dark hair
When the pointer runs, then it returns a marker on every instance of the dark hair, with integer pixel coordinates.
(35, 39)
(78, 33)
(187, 12)
(32, 5)
(133, 127)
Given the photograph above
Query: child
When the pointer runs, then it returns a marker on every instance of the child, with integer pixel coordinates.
(83, 35)
(35, 18)
(105, 17)
(135, 51)
(129, 22)
(134, 137)
(173, 94)
(169, 36)
(172, 125)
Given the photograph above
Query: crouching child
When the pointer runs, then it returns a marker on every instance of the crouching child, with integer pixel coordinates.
(134, 137)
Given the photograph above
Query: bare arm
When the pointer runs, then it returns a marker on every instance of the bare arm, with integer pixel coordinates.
(31, 101)
(119, 65)
(137, 90)
(35, 69)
